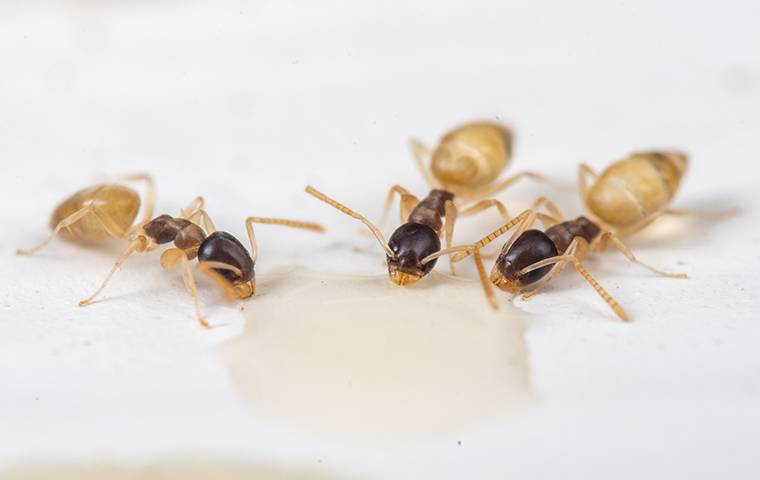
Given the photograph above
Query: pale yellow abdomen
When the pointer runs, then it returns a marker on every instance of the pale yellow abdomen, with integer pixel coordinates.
(631, 191)
(472, 155)
(116, 202)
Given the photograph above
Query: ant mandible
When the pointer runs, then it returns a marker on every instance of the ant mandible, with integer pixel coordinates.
(414, 248)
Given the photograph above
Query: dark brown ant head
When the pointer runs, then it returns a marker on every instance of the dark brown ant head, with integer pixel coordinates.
(410, 244)
(531, 247)
(186, 235)
(224, 248)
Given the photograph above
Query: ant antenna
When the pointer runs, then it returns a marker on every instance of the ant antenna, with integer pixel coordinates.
(445, 251)
(484, 280)
(375, 231)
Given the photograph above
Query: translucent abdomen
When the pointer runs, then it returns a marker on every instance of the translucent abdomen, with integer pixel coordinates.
(472, 155)
(118, 203)
(631, 191)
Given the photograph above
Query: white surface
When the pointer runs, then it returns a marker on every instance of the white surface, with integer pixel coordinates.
(246, 102)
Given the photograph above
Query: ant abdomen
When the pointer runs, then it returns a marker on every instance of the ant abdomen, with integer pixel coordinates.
(222, 247)
(472, 155)
(118, 203)
(633, 189)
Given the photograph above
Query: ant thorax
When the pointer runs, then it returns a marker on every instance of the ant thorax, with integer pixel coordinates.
(186, 235)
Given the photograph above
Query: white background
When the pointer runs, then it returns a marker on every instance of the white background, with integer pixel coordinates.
(246, 102)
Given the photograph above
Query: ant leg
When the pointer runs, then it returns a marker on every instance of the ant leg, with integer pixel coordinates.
(524, 220)
(171, 257)
(208, 224)
(339, 206)
(192, 207)
(187, 276)
(547, 220)
(65, 223)
(227, 289)
(731, 212)
(314, 227)
(571, 258)
(601, 244)
(507, 182)
(420, 152)
(111, 227)
(584, 171)
(450, 218)
(150, 193)
(108, 225)
(136, 245)
(556, 270)
(676, 212)
(407, 204)
(486, 204)
(550, 206)
(194, 211)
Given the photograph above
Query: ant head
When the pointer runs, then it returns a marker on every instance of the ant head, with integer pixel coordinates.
(223, 248)
(531, 247)
(410, 244)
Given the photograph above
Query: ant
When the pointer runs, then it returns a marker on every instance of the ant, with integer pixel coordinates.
(532, 258)
(633, 192)
(108, 210)
(414, 248)
(463, 168)
(99, 212)
(220, 255)
(468, 160)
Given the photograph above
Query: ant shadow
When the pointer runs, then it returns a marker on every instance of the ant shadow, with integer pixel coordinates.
(693, 227)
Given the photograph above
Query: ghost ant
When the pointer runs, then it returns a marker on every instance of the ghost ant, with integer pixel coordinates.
(632, 192)
(532, 258)
(220, 255)
(99, 212)
(468, 160)
(109, 210)
(414, 247)
(466, 163)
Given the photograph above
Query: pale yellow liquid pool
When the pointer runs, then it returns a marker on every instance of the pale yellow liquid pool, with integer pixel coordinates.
(358, 357)
(176, 469)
